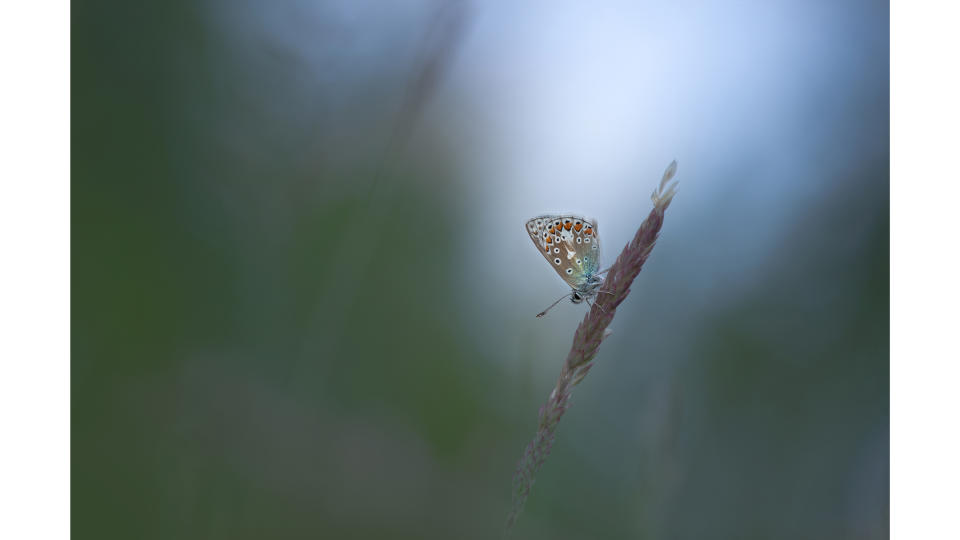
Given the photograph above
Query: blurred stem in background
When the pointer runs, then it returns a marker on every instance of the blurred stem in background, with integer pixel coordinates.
(441, 40)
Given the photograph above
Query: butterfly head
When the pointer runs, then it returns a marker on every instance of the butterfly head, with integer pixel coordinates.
(587, 290)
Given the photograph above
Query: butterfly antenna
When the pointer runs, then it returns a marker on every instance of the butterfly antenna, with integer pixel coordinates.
(544, 312)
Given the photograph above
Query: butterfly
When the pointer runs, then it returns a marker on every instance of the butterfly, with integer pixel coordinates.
(571, 245)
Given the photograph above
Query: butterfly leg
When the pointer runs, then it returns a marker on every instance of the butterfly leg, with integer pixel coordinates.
(596, 304)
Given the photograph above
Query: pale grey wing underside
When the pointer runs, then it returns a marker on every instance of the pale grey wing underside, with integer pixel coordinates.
(569, 243)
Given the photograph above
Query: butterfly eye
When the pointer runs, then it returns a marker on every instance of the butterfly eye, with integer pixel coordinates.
(587, 240)
(594, 246)
(578, 261)
(556, 261)
(579, 240)
(556, 250)
(570, 270)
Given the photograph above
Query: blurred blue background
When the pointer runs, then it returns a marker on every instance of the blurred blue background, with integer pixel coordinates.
(303, 297)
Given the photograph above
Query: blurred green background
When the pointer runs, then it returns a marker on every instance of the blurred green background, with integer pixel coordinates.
(303, 297)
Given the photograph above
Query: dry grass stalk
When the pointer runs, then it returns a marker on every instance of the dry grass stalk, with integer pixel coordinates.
(586, 340)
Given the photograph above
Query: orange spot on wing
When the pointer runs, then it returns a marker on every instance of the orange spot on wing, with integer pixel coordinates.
(578, 226)
(567, 225)
(550, 230)
(588, 231)
(549, 239)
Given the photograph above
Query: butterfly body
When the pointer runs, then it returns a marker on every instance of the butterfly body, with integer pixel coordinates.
(570, 244)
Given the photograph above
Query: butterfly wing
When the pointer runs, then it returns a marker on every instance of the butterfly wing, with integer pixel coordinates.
(569, 243)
